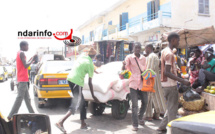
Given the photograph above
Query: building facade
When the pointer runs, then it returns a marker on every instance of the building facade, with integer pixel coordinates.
(145, 20)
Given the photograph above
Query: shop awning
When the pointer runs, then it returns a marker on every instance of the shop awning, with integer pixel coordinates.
(191, 38)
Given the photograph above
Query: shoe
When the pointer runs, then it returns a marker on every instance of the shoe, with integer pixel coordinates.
(135, 128)
(162, 130)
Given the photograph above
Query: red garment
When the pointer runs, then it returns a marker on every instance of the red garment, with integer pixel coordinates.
(194, 75)
(22, 72)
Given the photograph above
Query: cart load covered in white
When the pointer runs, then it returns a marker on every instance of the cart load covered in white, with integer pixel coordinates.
(107, 85)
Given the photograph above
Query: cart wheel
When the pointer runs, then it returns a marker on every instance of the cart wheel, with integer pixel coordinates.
(12, 85)
(96, 108)
(119, 109)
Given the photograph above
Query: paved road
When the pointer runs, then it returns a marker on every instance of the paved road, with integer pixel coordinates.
(104, 124)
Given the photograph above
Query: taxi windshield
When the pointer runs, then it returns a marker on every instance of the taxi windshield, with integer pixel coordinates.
(56, 66)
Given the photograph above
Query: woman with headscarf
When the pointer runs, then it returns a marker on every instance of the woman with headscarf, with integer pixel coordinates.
(195, 65)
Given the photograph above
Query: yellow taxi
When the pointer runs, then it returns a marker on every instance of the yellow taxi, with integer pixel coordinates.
(10, 70)
(50, 81)
(201, 123)
(3, 73)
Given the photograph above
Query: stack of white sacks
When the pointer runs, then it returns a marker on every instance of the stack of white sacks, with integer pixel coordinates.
(107, 87)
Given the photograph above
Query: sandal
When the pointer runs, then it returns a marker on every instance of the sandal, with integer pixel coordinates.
(60, 127)
(85, 127)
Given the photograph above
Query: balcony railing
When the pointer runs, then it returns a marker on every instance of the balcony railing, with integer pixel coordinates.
(105, 32)
(167, 14)
(134, 23)
(139, 24)
(123, 27)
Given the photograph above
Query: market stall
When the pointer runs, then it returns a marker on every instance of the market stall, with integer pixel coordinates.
(114, 50)
(192, 38)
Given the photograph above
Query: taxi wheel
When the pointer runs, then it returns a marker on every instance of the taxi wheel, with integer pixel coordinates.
(12, 85)
(96, 108)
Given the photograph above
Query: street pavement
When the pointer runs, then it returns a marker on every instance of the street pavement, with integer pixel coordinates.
(104, 124)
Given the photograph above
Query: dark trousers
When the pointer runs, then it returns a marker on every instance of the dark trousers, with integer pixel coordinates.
(171, 96)
(23, 94)
(32, 77)
(209, 76)
(134, 99)
(78, 101)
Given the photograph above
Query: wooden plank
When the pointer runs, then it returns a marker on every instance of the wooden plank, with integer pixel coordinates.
(210, 100)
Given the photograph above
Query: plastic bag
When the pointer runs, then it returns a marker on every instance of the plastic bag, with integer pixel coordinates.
(191, 95)
(182, 88)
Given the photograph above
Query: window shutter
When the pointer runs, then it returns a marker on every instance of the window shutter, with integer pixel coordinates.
(207, 7)
(82, 39)
(157, 7)
(110, 23)
(124, 20)
(149, 10)
(120, 22)
(92, 35)
(201, 6)
(153, 10)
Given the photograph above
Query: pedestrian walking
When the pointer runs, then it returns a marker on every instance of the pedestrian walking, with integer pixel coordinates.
(22, 79)
(84, 65)
(136, 64)
(33, 72)
(169, 81)
(154, 99)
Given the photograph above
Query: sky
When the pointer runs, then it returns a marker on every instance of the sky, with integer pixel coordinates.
(51, 15)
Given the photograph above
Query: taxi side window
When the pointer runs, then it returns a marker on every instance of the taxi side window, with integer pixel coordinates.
(39, 69)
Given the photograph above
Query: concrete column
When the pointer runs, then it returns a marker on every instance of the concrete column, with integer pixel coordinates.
(107, 35)
(127, 28)
(160, 17)
(116, 29)
(141, 23)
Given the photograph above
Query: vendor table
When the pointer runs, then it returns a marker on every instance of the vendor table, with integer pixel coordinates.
(210, 100)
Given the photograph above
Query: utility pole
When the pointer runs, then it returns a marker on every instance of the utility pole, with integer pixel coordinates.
(65, 46)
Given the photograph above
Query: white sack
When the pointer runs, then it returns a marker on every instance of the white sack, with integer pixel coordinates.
(103, 98)
(101, 83)
(120, 85)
